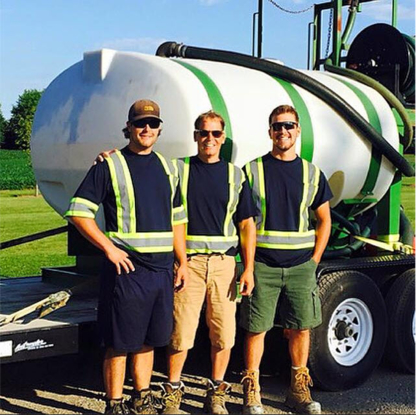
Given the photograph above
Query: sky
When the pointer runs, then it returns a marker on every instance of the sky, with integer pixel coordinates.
(39, 39)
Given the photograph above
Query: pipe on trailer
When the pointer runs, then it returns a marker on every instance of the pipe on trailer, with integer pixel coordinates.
(173, 49)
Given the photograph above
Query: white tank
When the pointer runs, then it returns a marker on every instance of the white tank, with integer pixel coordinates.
(83, 111)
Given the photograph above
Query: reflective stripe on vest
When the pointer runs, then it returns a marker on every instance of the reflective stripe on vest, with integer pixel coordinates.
(219, 243)
(82, 208)
(303, 237)
(126, 208)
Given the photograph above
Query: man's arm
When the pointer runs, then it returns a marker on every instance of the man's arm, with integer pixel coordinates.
(323, 231)
(179, 248)
(89, 229)
(248, 249)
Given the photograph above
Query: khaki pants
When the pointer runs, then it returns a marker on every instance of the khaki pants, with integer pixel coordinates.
(212, 278)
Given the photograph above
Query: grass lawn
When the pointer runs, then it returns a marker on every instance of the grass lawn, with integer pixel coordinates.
(408, 192)
(21, 214)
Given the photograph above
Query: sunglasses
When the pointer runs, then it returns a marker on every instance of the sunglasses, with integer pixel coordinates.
(151, 122)
(205, 133)
(287, 125)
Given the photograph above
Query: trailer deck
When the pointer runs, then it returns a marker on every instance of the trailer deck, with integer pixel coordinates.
(56, 334)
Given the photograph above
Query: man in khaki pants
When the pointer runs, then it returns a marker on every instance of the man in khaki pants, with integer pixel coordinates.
(219, 206)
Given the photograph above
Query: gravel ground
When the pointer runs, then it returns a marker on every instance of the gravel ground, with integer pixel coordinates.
(72, 385)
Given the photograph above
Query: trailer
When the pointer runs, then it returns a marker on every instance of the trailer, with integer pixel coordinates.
(356, 123)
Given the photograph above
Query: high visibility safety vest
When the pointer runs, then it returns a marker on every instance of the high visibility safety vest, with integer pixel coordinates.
(126, 234)
(303, 237)
(206, 244)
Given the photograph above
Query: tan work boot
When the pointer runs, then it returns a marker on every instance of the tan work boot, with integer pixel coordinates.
(215, 400)
(172, 398)
(251, 387)
(299, 396)
(143, 402)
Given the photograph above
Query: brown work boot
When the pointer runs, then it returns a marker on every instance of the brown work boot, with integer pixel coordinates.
(251, 387)
(215, 400)
(143, 402)
(171, 398)
(299, 396)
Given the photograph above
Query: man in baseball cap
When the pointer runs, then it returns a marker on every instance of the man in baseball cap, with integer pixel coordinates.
(135, 310)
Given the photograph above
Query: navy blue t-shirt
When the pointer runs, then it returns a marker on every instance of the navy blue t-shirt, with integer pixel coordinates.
(152, 193)
(284, 188)
(208, 196)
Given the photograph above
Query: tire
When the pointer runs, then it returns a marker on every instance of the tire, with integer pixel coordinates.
(400, 304)
(348, 346)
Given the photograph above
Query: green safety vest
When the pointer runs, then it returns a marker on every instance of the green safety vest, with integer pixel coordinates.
(303, 237)
(126, 234)
(206, 244)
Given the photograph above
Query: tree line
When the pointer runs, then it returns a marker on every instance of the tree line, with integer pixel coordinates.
(16, 131)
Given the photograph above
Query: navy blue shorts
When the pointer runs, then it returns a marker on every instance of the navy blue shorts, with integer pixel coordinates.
(135, 309)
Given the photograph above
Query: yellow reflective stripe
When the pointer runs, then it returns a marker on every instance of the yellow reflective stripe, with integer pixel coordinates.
(180, 221)
(316, 182)
(130, 192)
(144, 241)
(179, 215)
(302, 209)
(116, 189)
(179, 209)
(205, 251)
(249, 174)
(210, 244)
(172, 175)
(231, 183)
(82, 208)
(85, 202)
(79, 214)
(262, 191)
(147, 250)
(291, 234)
(184, 183)
(286, 246)
(203, 238)
(169, 172)
(141, 235)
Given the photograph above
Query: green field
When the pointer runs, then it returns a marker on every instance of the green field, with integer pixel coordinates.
(408, 192)
(16, 170)
(22, 213)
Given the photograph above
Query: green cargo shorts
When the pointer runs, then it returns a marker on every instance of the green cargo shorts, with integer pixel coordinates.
(297, 290)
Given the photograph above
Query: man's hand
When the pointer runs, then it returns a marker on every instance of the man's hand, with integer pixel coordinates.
(120, 259)
(246, 282)
(181, 278)
(104, 154)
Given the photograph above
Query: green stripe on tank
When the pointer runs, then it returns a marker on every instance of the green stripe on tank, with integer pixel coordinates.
(218, 105)
(306, 147)
(374, 120)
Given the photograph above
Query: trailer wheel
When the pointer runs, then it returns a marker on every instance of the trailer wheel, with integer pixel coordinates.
(349, 344)
(400, 304)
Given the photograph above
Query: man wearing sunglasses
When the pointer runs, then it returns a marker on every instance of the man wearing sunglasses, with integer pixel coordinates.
(289, 247)
(145, 228)
(220, 211)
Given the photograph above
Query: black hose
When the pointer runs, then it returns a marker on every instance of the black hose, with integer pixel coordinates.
(392, 100)
(173, 49)
(354, 229)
